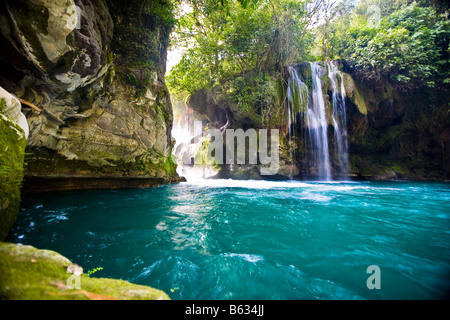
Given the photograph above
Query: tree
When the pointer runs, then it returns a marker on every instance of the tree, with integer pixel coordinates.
(410, 48)
(230, 38)
(402, 41)
(239, 50)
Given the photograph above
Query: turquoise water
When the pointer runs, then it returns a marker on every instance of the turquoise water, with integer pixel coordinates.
(223, 239)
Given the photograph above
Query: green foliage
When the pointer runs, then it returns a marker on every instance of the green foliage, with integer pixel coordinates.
(238, 49)
(409, 45)
(236, 37)
(2, 105)
(252, 91)
(190, 74)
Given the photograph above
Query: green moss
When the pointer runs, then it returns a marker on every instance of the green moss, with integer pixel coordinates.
(141, 30)
(2, 105)
(305, 70)
(355, 93)
(300, 97)
(44, 162)
(27, 273)
(396, 168)
(12, 146)
(170, 166)
(202, 156)
(326, 81)
(166, 165)
(360, 102)
(160, 109)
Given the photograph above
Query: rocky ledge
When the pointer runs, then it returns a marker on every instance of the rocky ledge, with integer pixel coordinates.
(28, 273)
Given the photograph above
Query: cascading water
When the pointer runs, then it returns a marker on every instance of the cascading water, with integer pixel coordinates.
(297, 101)
(315, 99)
(307, 106)
(188, 134)
(339, 118)
(318, 125)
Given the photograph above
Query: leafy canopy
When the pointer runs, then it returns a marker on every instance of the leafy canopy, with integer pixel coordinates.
(409, 45)
(229, 39)
(239, 48)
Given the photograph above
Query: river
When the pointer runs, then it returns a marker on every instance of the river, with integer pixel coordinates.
(228, 239)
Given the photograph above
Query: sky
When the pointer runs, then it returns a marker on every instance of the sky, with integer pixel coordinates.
(173, 57)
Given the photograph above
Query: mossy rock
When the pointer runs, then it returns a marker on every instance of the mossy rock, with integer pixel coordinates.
(305, 70)
(12, 146)
(376, 171)
(245, 172)
(354, 93)
(28, 273)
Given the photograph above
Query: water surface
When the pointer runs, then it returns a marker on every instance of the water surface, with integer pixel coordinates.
(224, 239)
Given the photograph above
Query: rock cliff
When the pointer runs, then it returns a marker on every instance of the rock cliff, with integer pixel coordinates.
(96, 71)
(404, 135)
(392, 134)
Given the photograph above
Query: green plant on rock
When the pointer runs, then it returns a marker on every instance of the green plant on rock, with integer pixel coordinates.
(253, 93)
(92, 271)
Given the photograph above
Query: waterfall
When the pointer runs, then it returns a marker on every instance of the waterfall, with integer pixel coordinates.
(318, 125)
(339, 118)
(297, 101)
(315, 102)
(188, 134)
(307, 109)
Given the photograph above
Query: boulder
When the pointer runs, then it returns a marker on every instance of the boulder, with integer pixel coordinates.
(29, 273)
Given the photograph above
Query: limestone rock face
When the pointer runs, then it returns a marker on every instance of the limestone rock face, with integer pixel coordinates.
(101, 115)
(64, 41)
(402, 135)
(11, 108)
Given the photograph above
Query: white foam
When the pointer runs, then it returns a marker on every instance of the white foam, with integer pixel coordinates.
(244, 256)
(265, 184)
(250, 184)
